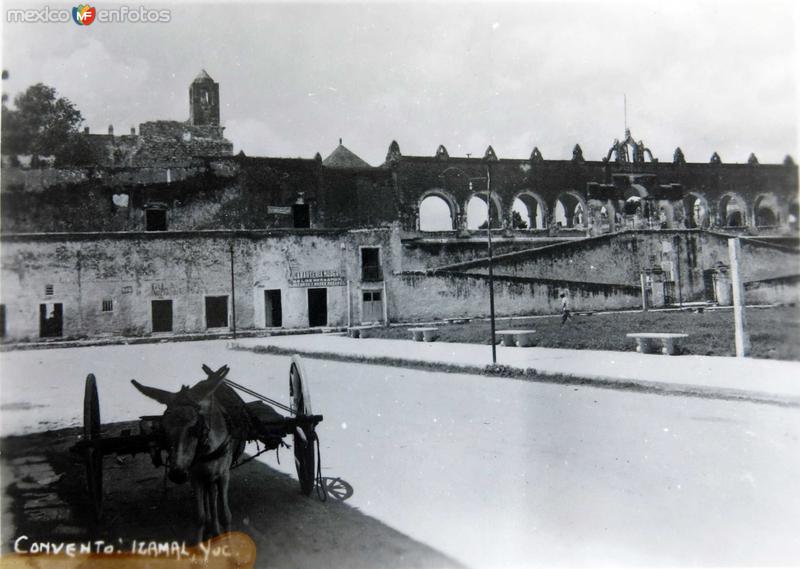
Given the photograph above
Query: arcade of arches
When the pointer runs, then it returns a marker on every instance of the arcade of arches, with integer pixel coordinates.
(529, 211)
(628, 189)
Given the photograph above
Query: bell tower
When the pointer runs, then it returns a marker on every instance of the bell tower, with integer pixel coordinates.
(204, 101)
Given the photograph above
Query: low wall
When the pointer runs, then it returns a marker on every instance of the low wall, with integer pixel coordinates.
(779, 290)
(421, 296)
(683, 256)
(423, 253)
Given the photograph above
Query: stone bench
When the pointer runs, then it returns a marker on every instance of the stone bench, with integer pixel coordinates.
(456, 320)
(424, 334)
(521, 338)
(357, 331)
(655, 342)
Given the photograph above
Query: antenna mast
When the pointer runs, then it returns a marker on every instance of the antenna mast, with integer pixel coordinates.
(625, 111)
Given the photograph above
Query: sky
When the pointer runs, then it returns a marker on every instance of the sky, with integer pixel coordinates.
(294, 78)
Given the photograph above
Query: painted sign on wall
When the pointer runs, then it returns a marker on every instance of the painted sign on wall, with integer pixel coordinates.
(316, 278)
(279, 210)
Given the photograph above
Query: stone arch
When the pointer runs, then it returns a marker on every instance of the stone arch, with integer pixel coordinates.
(602, 216)
(696, 207)
(766, 210)
(430, 220)
(793, 215)
(474, 221)
(609, 210)
(665, 214)
(635, 206)
(569, 209)
(732, 210)
(636, 190)
(534, 206)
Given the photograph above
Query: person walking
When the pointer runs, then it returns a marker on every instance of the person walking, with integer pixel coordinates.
(565, 313)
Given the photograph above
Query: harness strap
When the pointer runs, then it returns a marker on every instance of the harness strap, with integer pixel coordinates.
(215, 454)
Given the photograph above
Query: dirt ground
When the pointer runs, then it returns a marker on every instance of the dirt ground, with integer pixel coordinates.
(45, 498)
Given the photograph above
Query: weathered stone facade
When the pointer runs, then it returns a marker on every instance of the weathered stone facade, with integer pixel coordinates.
(166, 143)
(602, 196)
(204, 101)
(144, 239)
(222, 193)
(106, 283)
(739, 198)
(686, 263)
(419, 296)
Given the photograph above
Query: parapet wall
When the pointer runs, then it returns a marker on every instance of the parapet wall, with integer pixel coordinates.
(420, 296)
(780, 290)
(681, 256)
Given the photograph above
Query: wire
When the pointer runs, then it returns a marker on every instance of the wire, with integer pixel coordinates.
(249, 391)
(249, 458)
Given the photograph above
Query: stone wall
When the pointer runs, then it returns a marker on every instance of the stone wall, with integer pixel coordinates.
(593, 184)
(175, 143)
(169, 151)
(222, 193)
(681, 255)
(72, 180)
(421, 253)
(132, 269)
(780, 290)
(115, 199)
(158, 144)
(420, 296)
(80, 271)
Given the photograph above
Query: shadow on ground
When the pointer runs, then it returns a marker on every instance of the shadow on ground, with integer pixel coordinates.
(44, 489)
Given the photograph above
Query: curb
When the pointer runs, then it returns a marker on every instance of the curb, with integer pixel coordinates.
(133, 340)
(530, 374)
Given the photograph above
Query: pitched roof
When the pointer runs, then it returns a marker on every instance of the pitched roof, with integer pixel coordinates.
(342, 157)
(202, 76)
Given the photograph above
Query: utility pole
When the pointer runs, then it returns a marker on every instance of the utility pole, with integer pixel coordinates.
(644, 291)
(625, 111)
(677, 243)
(491, 273)
(233, 294)
(742, 337)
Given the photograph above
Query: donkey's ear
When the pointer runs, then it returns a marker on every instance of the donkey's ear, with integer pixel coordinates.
(206, 387)
(159, 395)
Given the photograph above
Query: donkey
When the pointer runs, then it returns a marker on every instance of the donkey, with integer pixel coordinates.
(201, 446)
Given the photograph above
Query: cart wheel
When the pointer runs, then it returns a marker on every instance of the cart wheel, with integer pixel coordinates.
(94, 457)
(304, 437)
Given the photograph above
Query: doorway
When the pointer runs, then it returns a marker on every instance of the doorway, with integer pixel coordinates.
(371, 264)
(162, 315)
(669, 293)
(216, 312)
(272, 308)
(709, 287)
(301, 216)
(317, 307)
(51, 320)
(155, 220)
(373, 306)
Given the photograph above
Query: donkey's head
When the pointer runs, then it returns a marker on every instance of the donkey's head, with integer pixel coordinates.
(185, 421)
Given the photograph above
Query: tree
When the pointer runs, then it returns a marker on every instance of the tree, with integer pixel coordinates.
(5, 97)
(41, 124)
(517, 222)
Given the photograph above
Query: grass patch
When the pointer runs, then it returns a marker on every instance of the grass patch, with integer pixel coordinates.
(774, 332)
